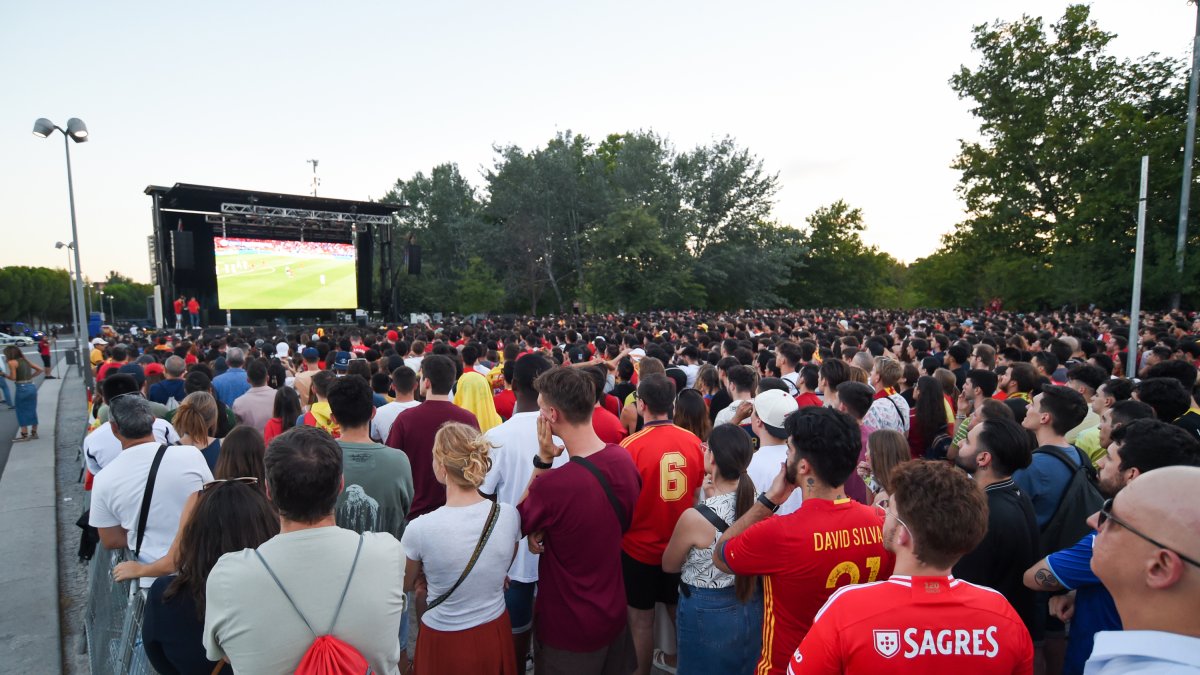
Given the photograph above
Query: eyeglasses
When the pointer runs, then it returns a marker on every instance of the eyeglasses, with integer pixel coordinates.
(244, 480)
(1107, 514)
(882, 509)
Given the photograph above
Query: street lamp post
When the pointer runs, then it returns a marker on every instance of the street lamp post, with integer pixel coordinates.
(112, 305)
(75, 313)
(76, 131)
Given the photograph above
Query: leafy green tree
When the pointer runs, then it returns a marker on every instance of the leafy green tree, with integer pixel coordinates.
(1051, 186)
(479, 291)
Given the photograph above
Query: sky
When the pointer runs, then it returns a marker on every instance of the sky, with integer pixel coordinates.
(843, 100)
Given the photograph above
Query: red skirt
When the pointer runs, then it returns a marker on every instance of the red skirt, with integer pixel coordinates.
(486, 649)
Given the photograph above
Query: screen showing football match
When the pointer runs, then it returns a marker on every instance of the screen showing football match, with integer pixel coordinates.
(274, 274)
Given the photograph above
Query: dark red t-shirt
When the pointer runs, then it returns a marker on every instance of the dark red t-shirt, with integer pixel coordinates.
(580, 604)
(413, 432)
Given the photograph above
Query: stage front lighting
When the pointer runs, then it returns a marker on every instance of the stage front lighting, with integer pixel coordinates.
(44, 127)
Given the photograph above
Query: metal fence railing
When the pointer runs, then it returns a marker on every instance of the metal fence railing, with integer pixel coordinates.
(113, 619)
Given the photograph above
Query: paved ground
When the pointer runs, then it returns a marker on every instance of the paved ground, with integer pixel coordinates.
(72, 573)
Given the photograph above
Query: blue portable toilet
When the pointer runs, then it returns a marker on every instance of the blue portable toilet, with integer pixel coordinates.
(94, 322)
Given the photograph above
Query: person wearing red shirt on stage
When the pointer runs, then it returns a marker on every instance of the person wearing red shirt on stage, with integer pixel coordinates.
(829, 542)
(193, 307)
(671, 465)
(178, 306)
(922, 620)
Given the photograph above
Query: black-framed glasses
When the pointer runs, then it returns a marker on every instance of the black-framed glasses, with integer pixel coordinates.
(1107, 514)
(245, 480)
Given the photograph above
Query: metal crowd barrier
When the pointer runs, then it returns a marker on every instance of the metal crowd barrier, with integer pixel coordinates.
(113, 619)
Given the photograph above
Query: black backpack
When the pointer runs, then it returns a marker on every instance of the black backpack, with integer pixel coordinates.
(1080, 500)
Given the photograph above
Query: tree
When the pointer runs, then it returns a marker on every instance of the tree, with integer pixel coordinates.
(1051, 187)
(840, 270)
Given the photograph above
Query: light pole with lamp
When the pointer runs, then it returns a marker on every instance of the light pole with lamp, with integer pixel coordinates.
(76, 131)
(75, 313)
(112, 305)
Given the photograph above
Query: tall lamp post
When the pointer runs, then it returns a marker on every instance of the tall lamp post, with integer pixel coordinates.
(76, 131)
(112, 305)
(75, 313)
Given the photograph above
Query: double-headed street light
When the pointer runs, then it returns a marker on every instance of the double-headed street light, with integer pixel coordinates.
(76, 131)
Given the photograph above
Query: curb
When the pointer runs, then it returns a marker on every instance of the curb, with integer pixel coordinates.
(30, 634)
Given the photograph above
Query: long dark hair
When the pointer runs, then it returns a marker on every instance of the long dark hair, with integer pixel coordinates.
(930, 416)
(227, 517)
(731, 451)
(242, 453)
(691, 413)
(287, 407)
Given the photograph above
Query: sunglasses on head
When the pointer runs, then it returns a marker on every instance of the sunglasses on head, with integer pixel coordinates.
(245, 480)
(1106, 514)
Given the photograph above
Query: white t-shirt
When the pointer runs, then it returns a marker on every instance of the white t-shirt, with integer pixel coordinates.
(482, 369)
(385, 415)
(414, 362)
(117, 495)
(792, 378)
(764, 466)
(691, 370)
(102, 446)
(514, 446)
(726, 415)
(443, 540)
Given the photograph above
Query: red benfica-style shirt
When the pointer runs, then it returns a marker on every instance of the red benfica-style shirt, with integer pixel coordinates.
(918, 625)
(671, 464)
(803, 558)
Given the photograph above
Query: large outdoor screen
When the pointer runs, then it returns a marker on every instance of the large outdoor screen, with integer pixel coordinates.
(273, 274)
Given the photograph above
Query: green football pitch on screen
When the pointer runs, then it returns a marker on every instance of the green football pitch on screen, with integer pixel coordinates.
(272, 274)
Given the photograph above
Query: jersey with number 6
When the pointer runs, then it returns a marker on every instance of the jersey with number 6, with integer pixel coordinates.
(917, 625)
(804, 557)
(671, 464)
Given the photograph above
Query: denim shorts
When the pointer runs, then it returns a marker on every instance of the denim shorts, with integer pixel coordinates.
(519, 600)
(716, 633)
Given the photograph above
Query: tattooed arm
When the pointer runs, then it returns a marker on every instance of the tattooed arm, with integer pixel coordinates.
(1041, 578)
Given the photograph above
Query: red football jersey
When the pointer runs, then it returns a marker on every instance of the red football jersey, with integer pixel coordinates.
(671, 464)
(804, 557)
(918, 625)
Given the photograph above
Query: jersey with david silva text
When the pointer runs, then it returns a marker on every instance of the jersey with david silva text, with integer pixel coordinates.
(919, 625)
(804, 557)
(671, 464)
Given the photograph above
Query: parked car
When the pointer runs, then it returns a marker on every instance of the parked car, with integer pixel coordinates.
(18, 340)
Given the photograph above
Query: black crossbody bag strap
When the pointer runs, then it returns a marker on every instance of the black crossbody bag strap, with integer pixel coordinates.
(490, 525)
(712, 517)
(612, 497)
(147, 495)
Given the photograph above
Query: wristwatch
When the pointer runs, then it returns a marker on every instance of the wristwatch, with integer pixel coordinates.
(539, 464)
(765, 501)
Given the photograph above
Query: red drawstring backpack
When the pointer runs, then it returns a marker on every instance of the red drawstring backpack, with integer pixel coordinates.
(327, 655)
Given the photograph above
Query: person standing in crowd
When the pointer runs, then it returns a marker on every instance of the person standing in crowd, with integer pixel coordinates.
(285, 413)
(1148, 556)
(195, 421)
(921, 619)
(193, 307)
(178, 307)
(43, 346)
(414, 430)
(474, 394)
(22, 372)
(741, 382)
(261, 602)
(404, 383)
(671, 466)
(803, 557)
(5, 376)
(170, 391)
(229, 516)
(102, 445)
(1051, 414)
(886, 450)
(1140, 447)
(117, 492)
(771, 409)
(575, 516)
(889, 410)
(254, 408)
(463, 550)
(992, 451)
(232, 383)
(514, 446)
(318, 414)
(719, 620)
(303, 380)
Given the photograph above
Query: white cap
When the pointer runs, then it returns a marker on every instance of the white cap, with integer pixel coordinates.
(772, 407)
(98, 341)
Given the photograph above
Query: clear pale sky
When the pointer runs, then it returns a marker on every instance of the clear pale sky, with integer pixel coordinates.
(844, 100)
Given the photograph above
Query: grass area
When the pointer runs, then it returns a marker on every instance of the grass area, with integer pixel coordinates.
(267, 281)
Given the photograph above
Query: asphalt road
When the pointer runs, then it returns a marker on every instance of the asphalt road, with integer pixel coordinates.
(8, 418)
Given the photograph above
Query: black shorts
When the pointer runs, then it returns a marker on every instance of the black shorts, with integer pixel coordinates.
(648, 584)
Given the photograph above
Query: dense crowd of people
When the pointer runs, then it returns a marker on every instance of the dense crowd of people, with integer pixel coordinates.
(781, 491)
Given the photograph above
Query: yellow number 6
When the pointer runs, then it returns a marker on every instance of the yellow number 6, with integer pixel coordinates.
(672, 481)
